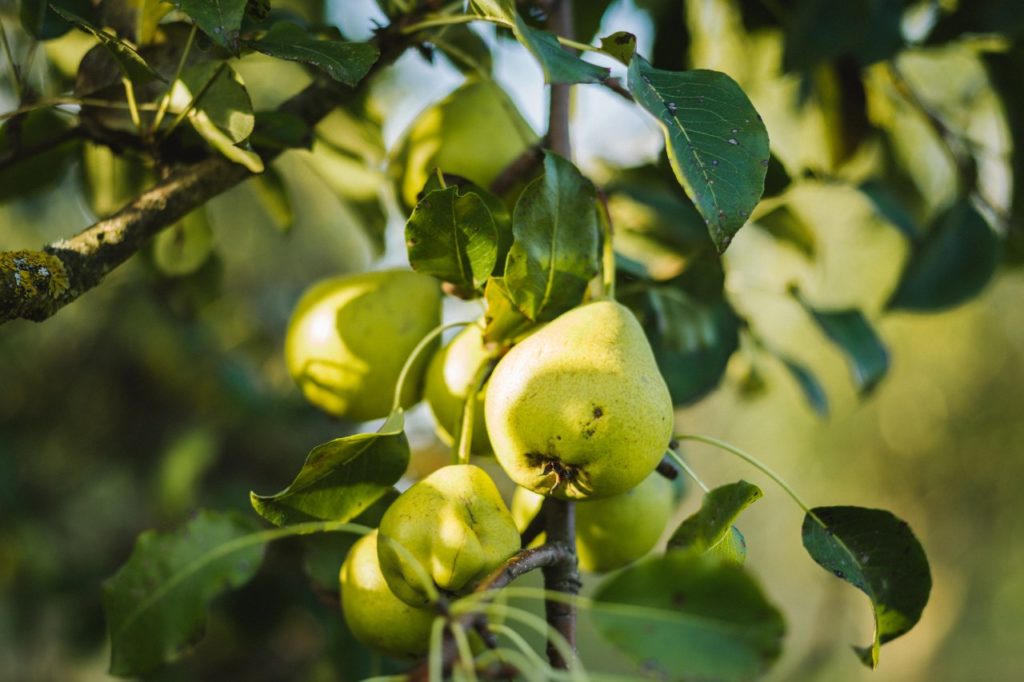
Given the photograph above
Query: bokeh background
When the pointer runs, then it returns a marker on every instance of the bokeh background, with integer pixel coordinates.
(154, 396)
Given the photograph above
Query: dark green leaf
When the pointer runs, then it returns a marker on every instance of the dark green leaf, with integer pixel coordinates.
(716, 141)
(35, 172)
(555, 250)
(786, 226)
(980, 16)
(890, 207)
(690, 616)
(343, 61)
(341, 478)
(452, 236)
(587, 18)
(219, 19)
(558, 64)
(43, 22)
(131, 62)
(809, 384)
(822, 31)
(280, 130)
(952, 264)
(1004, 70)
(849, 329)
(155, 604)
(711, 529)
(878, 554)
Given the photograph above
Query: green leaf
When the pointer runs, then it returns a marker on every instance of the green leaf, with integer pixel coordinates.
(155, 604)
(222, 99)
(183, 248)
(821, 31)
(1004, 71)
(452, 236)
(621, 45)
(503, 321)
(343, 61)
(273, 196)
(280, 130)
(852, 333)
(219, 19)
(690, 616)
(464, 48)
(716, 142)
(878, 554)
(956, 259)
(341, 478)
(558, 64)
(786, 226)
(812, 389)
(35, 173)
(711, 529)
(131, 62)
(890, 208)
(587, 16)
(43, 22)
(555, 252)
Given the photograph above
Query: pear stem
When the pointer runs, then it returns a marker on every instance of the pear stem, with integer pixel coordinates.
(411, 360)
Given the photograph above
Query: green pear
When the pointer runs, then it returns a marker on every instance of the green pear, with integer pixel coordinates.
(349, 337)
(611, 532)
(376, 617)
(449, 375)
(452, 528)
(579, 410)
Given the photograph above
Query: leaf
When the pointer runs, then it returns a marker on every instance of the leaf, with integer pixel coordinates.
(341, 478)
(956, 259)
(219, 96)
(690, 616)
(558, 64)
(1004, 71)
(711, 529)
(878, 554)
(587, 16)
(131, 62)
(35, 173)
(821, 31)
(812, 389)
(890, 208)
(786, 226)
(621, 45)
(280, 130)
(503, 321)
(183, 248)
(273, 196)
(452, 236)
(849, 329)
(219, 19)
(716, 142)
(555, 252)
(41, 21)
(343, 61)
(155, 604)
(464, 48)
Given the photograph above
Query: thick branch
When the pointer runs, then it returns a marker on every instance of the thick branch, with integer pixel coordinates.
(36, 284)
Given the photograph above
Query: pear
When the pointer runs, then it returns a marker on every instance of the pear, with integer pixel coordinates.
(611, 532)
(349, 337)
(579, 410)
(376, 617)
(451, 528)
(449, 375)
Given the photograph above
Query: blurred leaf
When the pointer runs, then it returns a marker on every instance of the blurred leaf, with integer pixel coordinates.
(555, 252)
(878, 554)
(821, 31)
(148, 14)
(35, 172)
(131, 62)
(452, 236)
(111, 180)
(273, 196)
(952, 263)
(1004, 70)
(182, 248)
(464, 48)
(155, 604)
(842, 101)
(343, 61)
(280, 130)
(711, 529)
(890, 207)
(219, 19)
(776, 180)
(689, 616)
(218, 96)
(341, 478)
(716, 141)
(812, 389)
(979, 16)
(42, 19)
(786, 226)
(850, 331)
(503, 320)
(586, 18)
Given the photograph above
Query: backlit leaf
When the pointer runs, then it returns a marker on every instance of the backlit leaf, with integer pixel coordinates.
(711, 528)
(345, 62)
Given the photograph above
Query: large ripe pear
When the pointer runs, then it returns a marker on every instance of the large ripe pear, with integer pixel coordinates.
(452, 528)
(350, 336)
(376, 617)
(447, 383)
(579, 410)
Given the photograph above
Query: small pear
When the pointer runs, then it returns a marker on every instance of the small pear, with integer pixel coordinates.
(350, 336)
(451, 528)
(611, 532)
(579, 410)
(449, 375)
(376, 617)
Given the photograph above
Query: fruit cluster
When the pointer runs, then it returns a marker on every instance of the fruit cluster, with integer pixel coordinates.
(576, 410)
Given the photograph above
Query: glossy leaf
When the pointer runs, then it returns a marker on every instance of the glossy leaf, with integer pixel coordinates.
(131, 62)
(856, 338)
(219, 19)
(452, 236)
(690, 616)
(878, 554)
(786, 226)
(156, 603)
(711, 528)
(345, 62)
(341, 478)
(809, 385)
(717, 144)
(554, 254)
(952, 263)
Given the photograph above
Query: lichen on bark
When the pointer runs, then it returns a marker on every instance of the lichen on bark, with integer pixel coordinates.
(28, 281)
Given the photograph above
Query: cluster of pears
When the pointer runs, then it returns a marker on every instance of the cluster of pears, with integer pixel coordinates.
(577, 410)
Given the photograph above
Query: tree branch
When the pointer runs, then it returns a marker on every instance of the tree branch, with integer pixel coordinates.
(36, 284)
